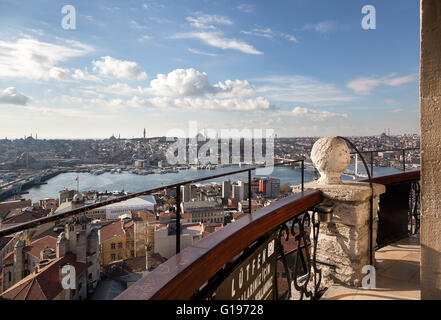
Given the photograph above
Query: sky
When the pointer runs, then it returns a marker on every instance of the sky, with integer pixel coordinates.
(298, 67)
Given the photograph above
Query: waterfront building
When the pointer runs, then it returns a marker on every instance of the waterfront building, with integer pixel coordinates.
(48, 204)
(269, 187)
(235, 191)
(254, 186)
(188, 192)
(66, 195)
(226, 190)
(204, 211)
(243, 190)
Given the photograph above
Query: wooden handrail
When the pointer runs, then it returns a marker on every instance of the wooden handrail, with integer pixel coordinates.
(183, 274)
(410, 175)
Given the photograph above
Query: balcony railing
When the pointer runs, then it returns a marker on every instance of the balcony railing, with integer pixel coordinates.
(207, 263)
(290, 226)
(371, 157)
(398, 214)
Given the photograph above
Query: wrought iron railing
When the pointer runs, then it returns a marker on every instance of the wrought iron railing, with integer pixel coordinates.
(202, 271)
(371, 157)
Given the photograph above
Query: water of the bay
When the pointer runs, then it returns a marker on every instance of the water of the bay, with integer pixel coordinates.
(136, 183)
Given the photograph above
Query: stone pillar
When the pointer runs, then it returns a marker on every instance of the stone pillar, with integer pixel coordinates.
(430, 123)
(344, 242)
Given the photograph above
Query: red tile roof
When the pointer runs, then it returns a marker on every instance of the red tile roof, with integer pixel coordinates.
(38, 245)
(110, 231)
(44, 284)
(25, 216)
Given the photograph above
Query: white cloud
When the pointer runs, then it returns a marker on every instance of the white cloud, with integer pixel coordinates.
(37, 60)
(321, 27)
(259, 32)
(122, 89)
(191, 82)
(195, 51)
(12, 96)
(366, 85)
(111, 9)
(63, 112)
(84, 76)
(160, 20)
(71, 100)
(299, 89)
(109, 66)
(144, 37)
(136, 25)
(397, 110)
(316, 115)
(290, 37)
(206, 21)
(217, 40)
(247, 8)
(188, 104)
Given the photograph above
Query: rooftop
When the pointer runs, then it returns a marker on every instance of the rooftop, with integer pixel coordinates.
(139, 201)
(45, 284)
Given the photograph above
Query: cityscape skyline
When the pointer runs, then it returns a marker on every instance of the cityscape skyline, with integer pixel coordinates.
(147, 64)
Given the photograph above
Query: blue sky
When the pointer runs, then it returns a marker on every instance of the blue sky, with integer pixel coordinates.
(299, 67)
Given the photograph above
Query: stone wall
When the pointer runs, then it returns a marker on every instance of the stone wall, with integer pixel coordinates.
(430, 101)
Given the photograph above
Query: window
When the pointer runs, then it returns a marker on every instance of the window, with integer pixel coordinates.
(119, 245)
(112, 246)
(132, 253)
(112, 257)
(127, 244)
(119, 256)
(9, 276)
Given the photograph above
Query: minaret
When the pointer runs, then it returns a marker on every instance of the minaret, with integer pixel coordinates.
(144, 133)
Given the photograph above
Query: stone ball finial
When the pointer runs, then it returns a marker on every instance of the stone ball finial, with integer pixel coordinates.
(331, 157)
